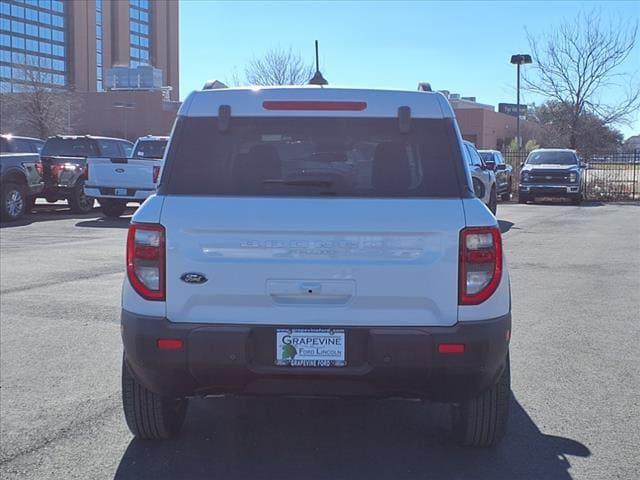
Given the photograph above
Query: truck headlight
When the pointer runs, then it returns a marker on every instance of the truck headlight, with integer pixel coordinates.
(525, 176)
(573, 177)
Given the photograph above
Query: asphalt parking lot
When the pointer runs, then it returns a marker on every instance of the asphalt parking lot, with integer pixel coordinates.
(575, 361)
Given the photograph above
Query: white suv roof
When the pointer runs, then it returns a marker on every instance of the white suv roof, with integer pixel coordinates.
(355, 102)
(152, 138)
(552, 150)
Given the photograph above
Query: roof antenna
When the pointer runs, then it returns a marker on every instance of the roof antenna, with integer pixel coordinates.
(318, 79)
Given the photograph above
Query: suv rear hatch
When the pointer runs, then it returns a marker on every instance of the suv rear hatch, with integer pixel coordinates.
(313, 221)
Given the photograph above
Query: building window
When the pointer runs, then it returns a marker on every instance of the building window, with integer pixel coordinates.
(33, 43)
(99, 51)
(139, 27)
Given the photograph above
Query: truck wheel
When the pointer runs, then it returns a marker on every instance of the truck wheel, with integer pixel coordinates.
(506, 196)
(14, 202)
(493, 201)
(78, 201)
(113, 208)
(577, 200)
(150, 416)
(482, 421)
(522, 198)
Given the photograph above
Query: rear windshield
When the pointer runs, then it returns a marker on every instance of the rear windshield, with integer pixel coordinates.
(70, 147)
(150, 149)
(552, 158)
(487, 156)
(289, 156)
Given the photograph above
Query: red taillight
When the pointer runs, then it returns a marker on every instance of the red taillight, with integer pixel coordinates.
(85, 173)
(56, 168)
(39, 167)
(156, 173)
(169, 344)
(146, 260)
(314, 105)
(451, 348)
(480, 264)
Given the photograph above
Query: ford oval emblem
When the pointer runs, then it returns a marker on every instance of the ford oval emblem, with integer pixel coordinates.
(120, 170)
(193, 278)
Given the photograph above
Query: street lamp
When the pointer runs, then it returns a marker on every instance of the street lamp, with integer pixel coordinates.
(125, 107)
(519, 59)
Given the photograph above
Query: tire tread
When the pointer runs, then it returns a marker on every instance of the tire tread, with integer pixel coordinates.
(149, 416)
(482, 421)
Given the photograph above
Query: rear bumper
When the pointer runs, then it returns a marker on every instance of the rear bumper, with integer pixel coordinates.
(133, 194)
(34, 190)
(381, 361)
(550, 190)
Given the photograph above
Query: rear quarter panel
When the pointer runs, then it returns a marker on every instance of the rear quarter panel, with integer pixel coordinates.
(478, 215)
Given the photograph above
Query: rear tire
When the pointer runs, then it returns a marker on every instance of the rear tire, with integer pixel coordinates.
(577, 200)
(522, 198)
(14, 202)
(506, 196)
(493, 201)
(482, 421)
(113, 208)
(78, 201)
(150, 416)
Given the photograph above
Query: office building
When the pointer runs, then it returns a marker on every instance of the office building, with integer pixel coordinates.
(74, 44)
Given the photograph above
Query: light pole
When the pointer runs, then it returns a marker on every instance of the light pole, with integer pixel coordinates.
(125, 107)
(519, 59)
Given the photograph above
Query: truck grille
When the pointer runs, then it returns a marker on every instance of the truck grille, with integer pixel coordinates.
(548, 177)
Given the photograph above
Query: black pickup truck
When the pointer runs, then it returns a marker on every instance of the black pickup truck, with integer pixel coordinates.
(20, 183)
(64, 158)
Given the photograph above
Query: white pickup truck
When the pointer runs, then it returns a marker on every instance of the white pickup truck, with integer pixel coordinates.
(118, 181)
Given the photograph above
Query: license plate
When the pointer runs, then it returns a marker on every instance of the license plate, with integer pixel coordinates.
(121, 192)
(310, 347)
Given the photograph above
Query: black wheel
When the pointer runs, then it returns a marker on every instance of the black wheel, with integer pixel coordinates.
(522, 198)
(482, 421)
(493, 201)
(150, 416)
(506, 196)
(113, 208)
(14, 202)
(78, 201)
(577, 200)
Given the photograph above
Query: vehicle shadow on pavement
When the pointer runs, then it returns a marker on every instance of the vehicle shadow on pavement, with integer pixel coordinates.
(274, 438)
(505, 225)
(564, 203)
(105, 222)
(48, 215)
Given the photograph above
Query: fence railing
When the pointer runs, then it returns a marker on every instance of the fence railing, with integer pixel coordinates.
(611, 176)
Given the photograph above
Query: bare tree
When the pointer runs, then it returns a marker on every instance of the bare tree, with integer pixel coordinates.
(38, 109)
(279, 67)
(576, 63)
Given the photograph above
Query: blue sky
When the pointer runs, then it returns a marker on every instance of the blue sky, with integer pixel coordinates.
(463, 47)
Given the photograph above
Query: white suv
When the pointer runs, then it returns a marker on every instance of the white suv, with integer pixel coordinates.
(316, 241)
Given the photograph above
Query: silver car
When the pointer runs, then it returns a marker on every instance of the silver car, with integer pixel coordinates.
(484, 179)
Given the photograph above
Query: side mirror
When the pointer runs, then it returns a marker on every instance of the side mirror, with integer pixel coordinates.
(491, 165)
(521, 164)
(501, 166)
